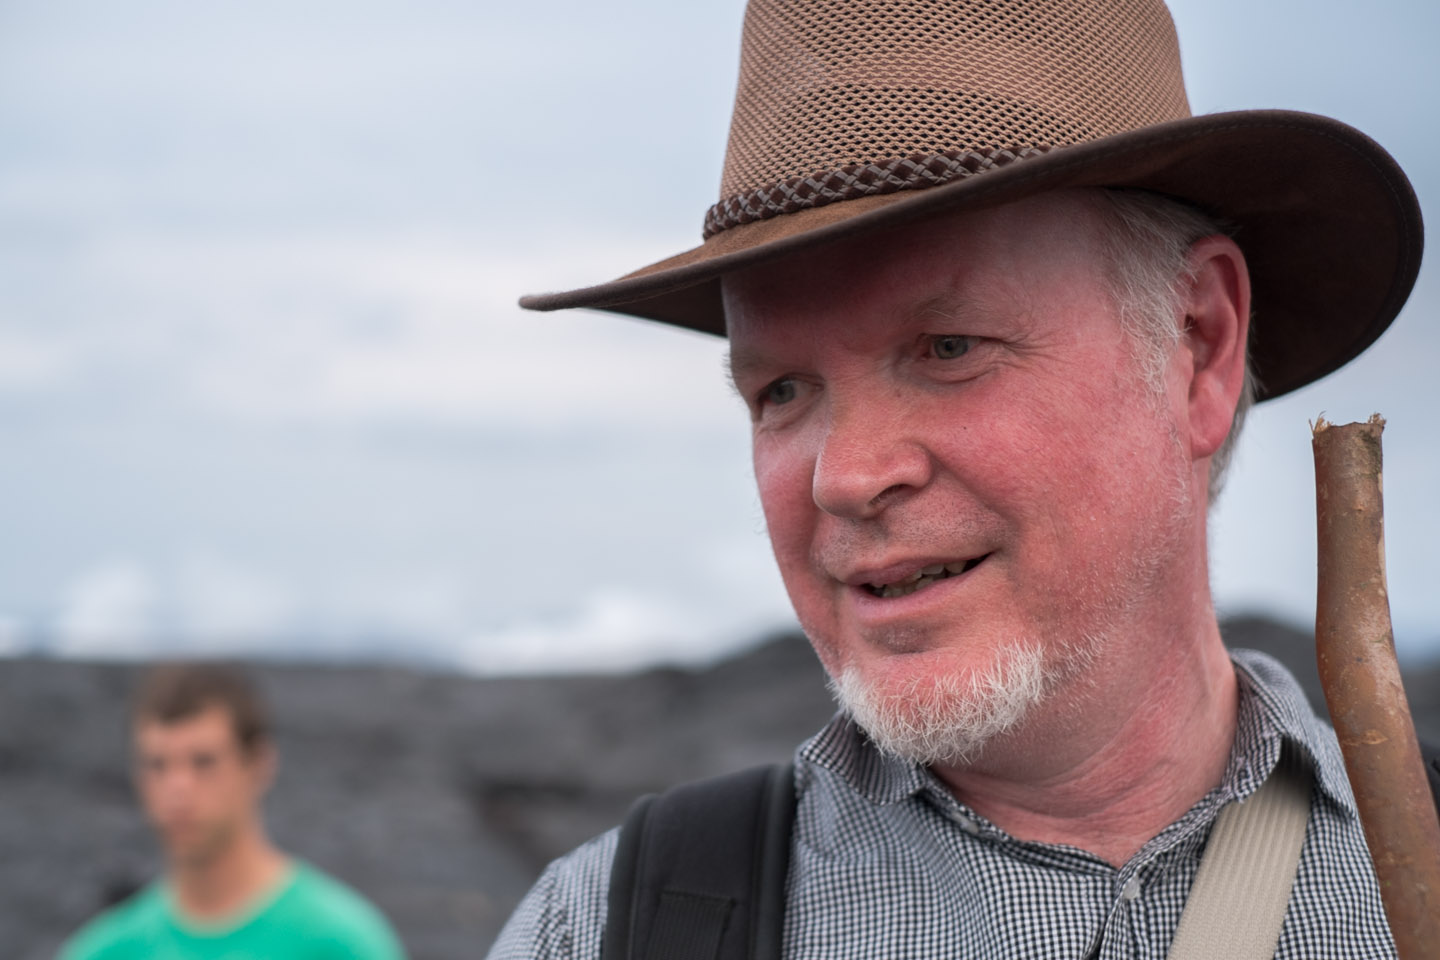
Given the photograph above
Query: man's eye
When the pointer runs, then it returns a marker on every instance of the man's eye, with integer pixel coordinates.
(779, 392)
(948, 348)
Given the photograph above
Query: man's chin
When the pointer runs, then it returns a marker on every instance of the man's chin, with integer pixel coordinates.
(945, 717)
(190, 849)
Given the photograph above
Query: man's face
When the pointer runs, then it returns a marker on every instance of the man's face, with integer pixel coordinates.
(960, 466)
(198, 786)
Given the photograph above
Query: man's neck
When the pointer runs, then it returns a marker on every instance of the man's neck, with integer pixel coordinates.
(221, 886)
(1107, 784)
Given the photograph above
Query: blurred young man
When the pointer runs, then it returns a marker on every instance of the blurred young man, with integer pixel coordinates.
(203, 762)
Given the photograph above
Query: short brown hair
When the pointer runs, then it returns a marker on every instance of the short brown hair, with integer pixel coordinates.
(173, 692)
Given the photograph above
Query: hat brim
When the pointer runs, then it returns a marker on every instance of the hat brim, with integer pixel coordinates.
(1329, 224)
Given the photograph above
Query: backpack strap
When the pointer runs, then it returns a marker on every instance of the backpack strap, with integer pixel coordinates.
(699, 872)
(1236, 906)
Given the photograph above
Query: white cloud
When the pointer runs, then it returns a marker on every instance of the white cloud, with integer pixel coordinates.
(347, 329)
(217, 601)
(613, 630)
(33, 362)
(209, 605)
(108, 610)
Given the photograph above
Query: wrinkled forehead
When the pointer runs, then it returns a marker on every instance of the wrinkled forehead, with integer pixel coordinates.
(943, 265)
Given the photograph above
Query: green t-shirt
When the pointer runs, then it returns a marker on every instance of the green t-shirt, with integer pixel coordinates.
(309, 916)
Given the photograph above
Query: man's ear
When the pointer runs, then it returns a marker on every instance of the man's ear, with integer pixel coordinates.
(1217, 322)
(264, 764)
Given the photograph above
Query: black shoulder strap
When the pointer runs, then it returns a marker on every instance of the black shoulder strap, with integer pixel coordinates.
(699, 873)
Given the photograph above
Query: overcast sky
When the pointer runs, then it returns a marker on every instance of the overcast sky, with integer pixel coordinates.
(263, 384)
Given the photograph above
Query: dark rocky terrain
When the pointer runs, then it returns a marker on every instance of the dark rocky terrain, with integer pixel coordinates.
(439, 796)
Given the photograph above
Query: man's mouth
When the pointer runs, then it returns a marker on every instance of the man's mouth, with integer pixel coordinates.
(922, 578)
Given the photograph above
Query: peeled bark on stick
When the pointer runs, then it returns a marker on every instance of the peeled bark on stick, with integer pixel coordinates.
(1361, 677)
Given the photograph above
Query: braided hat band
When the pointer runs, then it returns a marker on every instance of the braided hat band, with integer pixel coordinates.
(859, 180)
(861, 115)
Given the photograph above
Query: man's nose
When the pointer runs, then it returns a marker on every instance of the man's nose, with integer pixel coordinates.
(863, 464)
(175, 783)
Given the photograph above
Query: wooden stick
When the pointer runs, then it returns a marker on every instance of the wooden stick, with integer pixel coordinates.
(1361, 677)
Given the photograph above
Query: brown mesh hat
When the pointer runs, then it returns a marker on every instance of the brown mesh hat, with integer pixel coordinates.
(856, 114)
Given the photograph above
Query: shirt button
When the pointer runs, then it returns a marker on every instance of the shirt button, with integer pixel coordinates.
(965, 822)
(1132, 889)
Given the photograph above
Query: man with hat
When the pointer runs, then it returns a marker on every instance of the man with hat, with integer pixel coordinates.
(997, 304)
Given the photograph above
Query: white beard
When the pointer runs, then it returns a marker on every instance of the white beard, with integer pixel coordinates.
(949, 720)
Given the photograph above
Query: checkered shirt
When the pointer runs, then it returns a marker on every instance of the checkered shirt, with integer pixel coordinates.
(886, 863)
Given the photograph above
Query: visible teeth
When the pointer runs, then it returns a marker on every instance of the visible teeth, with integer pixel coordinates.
(922, 578)
(904, 588)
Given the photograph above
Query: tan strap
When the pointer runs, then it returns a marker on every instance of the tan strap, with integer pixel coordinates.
(1237, 903)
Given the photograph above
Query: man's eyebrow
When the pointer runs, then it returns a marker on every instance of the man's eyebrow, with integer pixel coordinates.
(739, 363)
(945, 306)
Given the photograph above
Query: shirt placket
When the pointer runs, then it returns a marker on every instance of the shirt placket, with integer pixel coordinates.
(1086, 879)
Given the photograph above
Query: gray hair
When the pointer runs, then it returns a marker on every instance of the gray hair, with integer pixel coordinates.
(1148, 239)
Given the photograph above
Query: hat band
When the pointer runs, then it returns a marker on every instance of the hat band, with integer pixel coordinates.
(860, 180)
